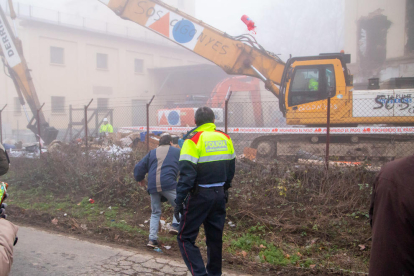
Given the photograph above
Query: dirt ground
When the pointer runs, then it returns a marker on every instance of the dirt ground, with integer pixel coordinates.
(108, 236)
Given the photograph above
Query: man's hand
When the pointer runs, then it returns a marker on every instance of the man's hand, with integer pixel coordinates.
(226, 195)
(179, 209)
(142, 183)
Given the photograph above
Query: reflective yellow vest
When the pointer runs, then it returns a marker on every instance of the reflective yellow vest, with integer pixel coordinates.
(207, 145)
(207, 157)
(106, 128)
(313, 85)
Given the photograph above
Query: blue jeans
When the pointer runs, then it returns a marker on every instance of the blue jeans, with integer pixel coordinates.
(156, 211)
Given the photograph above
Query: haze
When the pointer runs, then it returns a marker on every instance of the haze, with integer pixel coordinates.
(283, 26)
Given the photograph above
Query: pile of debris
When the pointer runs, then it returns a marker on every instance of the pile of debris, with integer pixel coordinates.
(128, 138)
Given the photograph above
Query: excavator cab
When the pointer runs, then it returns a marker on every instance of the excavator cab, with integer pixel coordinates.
(309, 81)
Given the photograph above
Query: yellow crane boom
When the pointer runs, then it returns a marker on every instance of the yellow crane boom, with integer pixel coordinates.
(240, 55)
(11, 52)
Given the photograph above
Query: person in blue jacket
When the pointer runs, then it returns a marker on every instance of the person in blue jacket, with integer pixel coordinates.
(161, 164)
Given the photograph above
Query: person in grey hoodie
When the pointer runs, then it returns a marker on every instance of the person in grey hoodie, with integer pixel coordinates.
(161, 164)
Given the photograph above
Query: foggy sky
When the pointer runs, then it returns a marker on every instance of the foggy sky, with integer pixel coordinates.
(297, 27)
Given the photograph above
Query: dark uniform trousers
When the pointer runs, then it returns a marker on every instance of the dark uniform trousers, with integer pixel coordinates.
(208, 207)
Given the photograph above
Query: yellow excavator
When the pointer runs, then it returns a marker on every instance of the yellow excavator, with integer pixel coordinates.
(302, 84)
(11, 53)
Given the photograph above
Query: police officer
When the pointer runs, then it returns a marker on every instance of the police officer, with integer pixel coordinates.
(207, 165)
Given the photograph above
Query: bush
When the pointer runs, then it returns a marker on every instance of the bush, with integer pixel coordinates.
(80, 173)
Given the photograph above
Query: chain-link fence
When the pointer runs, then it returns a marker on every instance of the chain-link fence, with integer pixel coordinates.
(365, 128)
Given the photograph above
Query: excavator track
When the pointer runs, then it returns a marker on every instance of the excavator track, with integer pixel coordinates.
(341, 148)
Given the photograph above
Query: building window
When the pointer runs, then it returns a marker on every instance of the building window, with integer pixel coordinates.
(58, 104)
(57, 55)
(103, 104)
(101, 61)
(139, 65)
(17, 106)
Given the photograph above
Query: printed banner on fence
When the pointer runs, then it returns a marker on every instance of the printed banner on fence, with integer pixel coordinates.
(288, 130)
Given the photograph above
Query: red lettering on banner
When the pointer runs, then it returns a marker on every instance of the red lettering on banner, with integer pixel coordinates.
(362, 130)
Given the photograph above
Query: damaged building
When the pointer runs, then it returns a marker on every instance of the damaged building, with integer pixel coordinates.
(379, 35)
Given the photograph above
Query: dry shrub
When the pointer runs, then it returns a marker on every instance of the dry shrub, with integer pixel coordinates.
(303, 200)
(79, 173)
(299, 208)
(295, 198)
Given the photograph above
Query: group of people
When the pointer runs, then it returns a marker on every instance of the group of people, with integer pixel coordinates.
(195, 181)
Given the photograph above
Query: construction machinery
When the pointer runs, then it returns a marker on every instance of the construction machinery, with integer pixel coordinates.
(11, 52)
(181, 114)
(302, 85)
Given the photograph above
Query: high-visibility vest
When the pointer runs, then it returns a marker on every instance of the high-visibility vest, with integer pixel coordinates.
(106, 128)
(313, 85)
(210, 150)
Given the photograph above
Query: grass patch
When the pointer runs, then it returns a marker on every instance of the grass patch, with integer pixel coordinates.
(111, 217)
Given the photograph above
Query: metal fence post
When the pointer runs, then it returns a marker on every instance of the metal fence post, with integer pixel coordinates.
(328, 125)
(38, 128)
(86, 123)
(226, 109)
(148, 106)
(70, 123)
(1, 125)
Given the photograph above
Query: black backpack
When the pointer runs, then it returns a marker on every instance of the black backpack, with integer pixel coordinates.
(4, 160)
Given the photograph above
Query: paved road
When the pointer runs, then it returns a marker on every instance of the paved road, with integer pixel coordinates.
(43, 253)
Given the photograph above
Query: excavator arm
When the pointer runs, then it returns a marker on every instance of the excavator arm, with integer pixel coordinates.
(11, 52)
(240, 55)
